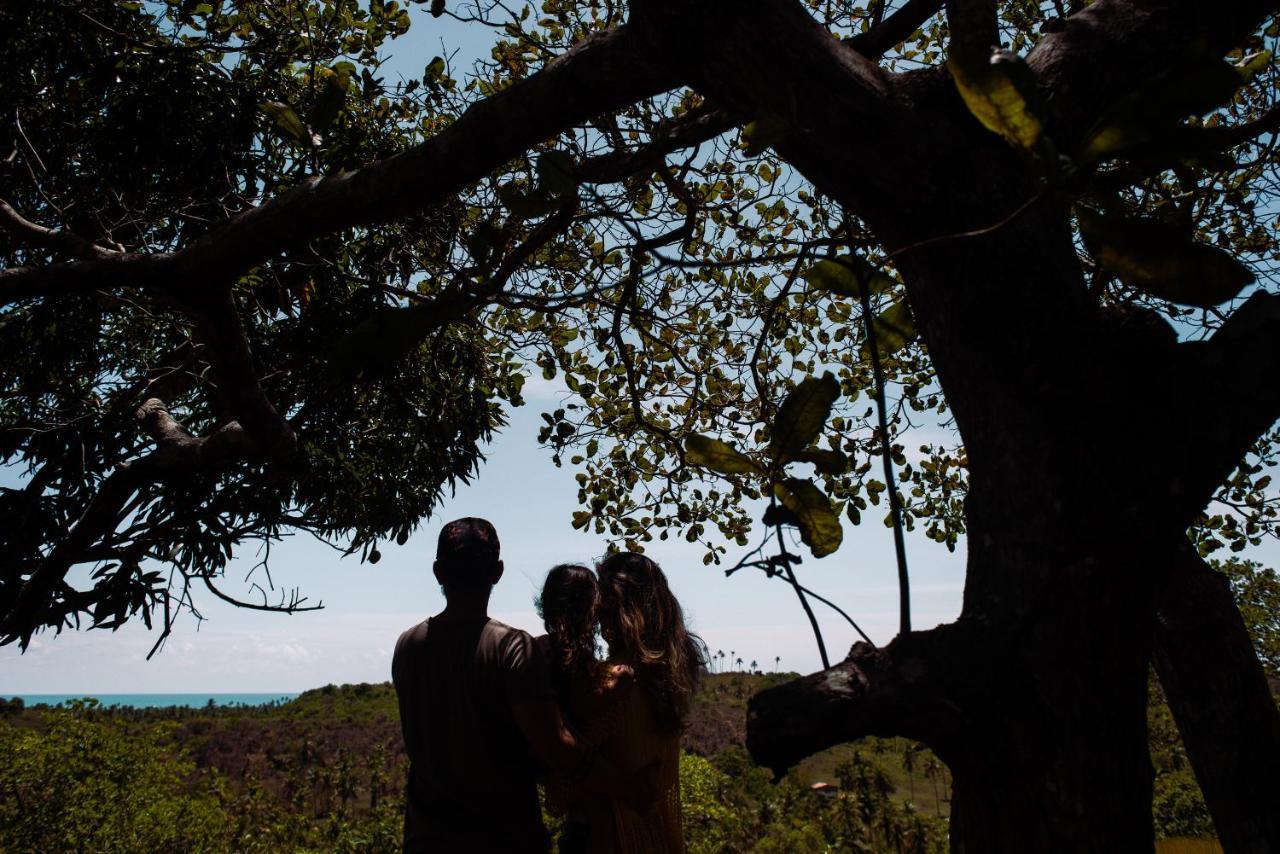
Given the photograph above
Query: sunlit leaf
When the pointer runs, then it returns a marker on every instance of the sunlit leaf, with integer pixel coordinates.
(992, 95)
(1254, 64)
(718, 456)
(819, 525)
(802, 415)
(1160, 260)
(287, 121)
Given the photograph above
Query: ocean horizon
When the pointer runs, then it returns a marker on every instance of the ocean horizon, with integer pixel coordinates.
(144, 701)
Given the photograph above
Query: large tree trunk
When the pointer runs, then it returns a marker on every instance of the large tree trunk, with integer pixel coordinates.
(1222, 704)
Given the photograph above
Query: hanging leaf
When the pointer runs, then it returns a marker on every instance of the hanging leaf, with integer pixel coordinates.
(827, 462)
(845, 275)
(332, 95)
(894, 329)
(437, 8)
(1160, 260)
(287, 121)
(993, 92)
(819, 525)
(718, 456)
(555, 173)
(764, 132)
(801, 417)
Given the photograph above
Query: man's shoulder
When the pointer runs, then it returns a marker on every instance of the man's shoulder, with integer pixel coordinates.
(501, 629)
(412, 636)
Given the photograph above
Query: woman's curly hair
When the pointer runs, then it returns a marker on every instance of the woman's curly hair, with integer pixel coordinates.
(645, 629)
(568, 603)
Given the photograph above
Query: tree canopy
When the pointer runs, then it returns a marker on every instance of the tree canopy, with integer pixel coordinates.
(252, 284)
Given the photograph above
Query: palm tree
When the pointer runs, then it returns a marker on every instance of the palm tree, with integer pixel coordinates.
(754, 666)
(933, 770)
(909, 765)
(777, 663)
(720, 655)
(739, 661)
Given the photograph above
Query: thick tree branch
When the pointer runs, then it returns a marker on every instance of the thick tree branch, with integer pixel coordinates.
(1238, 362)
(1105, 52)
(975, 30)
(1221, 702)
(895, 29)
(907, 688)
(47, 238)
(219, 327)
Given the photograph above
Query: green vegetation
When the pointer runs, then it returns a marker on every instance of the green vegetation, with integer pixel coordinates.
(325, 772)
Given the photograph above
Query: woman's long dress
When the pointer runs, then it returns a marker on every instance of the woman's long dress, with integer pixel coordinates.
(616, 714)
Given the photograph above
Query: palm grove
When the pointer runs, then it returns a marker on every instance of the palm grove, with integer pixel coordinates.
(254, 285)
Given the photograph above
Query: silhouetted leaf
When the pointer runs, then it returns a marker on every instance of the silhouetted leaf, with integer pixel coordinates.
(819, 525)
(764, 132)
(287, 121)
(801, 417)
(334, 83)
(1155, 258)
(825, 461)
(845, 274)
(718, 456)
(894, 329)
(555, 173)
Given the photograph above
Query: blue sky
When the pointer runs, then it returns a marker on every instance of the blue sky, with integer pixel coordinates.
(530, 501)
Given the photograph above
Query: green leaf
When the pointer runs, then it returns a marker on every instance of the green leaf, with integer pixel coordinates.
(287, 121)
(845, 275)
(819, 525)
(992, 93)
(332, 96)
(827, 462)
(1160, 260)
(894, 329)
(437, 8)
(801, 417)
(718, 456)
(562, 335)
(766, 131)
(581, 518)
(526, 205)
(434, 70)
(555, 173)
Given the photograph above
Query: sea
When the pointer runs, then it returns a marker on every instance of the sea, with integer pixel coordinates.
(142, 701)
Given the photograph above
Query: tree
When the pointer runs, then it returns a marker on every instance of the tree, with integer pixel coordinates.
(684, 209)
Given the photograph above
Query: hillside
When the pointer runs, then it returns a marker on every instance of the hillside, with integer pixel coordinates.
(325, 771)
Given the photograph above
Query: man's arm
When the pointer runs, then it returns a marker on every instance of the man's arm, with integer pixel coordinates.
(555, 745)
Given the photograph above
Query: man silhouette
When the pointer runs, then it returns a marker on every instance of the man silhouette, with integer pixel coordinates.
(475, 700)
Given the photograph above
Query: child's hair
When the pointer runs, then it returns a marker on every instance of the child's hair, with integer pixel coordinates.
(567, 605)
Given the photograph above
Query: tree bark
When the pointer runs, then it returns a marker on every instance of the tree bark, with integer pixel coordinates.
(1222, 704)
